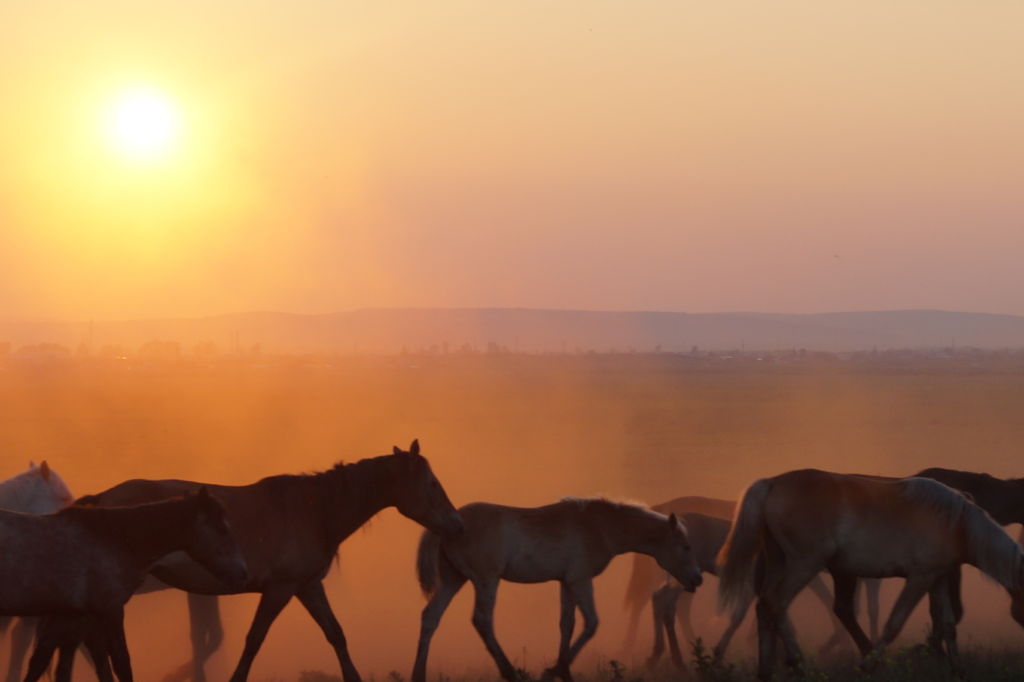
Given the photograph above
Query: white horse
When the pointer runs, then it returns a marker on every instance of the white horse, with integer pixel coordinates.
(39, 490)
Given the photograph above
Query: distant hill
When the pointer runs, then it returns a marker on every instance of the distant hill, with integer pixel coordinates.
(389, 330)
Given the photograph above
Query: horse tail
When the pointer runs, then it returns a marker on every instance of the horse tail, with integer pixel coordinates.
(427, 558)
(737, 556)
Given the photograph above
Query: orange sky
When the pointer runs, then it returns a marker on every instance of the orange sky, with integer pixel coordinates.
(790, 156)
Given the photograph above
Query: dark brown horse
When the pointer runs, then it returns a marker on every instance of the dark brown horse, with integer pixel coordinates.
(83, 561)
(570, 541)
(289, 528)
(797, 524)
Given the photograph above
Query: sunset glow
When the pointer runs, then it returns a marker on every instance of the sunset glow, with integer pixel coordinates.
(143, 124)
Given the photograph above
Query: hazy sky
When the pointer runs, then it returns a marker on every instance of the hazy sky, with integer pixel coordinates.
(782, 156)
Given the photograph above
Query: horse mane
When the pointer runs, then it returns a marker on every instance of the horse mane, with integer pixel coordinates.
(602, 503)
(989, 547)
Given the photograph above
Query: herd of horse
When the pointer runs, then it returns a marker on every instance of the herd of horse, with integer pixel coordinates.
(68, 566)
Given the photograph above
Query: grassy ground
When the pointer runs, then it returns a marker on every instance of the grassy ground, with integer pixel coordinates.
(910, 664)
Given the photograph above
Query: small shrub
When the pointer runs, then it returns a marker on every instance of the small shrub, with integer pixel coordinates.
(317, 676)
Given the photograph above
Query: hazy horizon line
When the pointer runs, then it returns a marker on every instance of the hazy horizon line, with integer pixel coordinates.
(613, 311)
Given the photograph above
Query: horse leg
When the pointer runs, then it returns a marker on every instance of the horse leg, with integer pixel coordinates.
(671, 606)
(271, 603)
(21, 639)
(820, 590)
(583, 594)
(844, 605)
(97, 645)
(684, 608)
(42, 654)
(780, 585)
(450, 584)
(631, 628)
(113, 626)
(206, 635)
(956, 602)
(657, 612)
(66, 659)
(566, 624)
(794, 582)
(483, 621)
(314, 598)
(913, 590)
(735, 620)
(943, 623)
(872, 587)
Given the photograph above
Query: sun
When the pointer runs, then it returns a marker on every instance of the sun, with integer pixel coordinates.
(143, 124)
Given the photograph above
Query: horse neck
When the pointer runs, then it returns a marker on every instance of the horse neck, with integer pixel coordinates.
(1002, 499)
(356, 492)
(629, 530)
(147, 532)
(990, 549)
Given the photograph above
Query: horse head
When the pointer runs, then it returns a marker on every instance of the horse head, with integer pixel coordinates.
(675, 554)
(211, 542)
(40, 490)
(420, 496)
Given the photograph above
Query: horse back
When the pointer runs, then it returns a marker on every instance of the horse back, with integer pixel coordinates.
(693, 504)
(1002, 499)
(525, 544)
(278, 524)
(867, 524)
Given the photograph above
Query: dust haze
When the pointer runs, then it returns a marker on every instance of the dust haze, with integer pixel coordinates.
(514, 429)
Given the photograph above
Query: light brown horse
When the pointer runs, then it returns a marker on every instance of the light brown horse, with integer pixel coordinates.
(85, 561)
(1003, 499)
(570, 541)
(799, 523)
(289, 529)
(708, 520)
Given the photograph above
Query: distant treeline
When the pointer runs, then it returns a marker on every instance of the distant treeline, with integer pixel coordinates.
(159, 353)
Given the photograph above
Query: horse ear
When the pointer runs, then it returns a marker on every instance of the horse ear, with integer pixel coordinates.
(44, 470)
(415, 447)
(31, 464)
(673, 520)
(395, 450)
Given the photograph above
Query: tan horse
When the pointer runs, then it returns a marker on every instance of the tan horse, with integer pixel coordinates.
(799, 523)
(570, 541)
(1003, 499)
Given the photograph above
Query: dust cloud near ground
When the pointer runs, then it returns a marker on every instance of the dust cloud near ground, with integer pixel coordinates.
(520, 430)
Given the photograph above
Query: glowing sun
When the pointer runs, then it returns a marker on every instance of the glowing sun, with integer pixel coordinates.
(143, 124)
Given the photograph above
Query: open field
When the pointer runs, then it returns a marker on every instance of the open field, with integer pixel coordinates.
(522, 430)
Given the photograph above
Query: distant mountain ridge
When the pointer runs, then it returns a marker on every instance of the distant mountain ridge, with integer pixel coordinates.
(525, 329)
